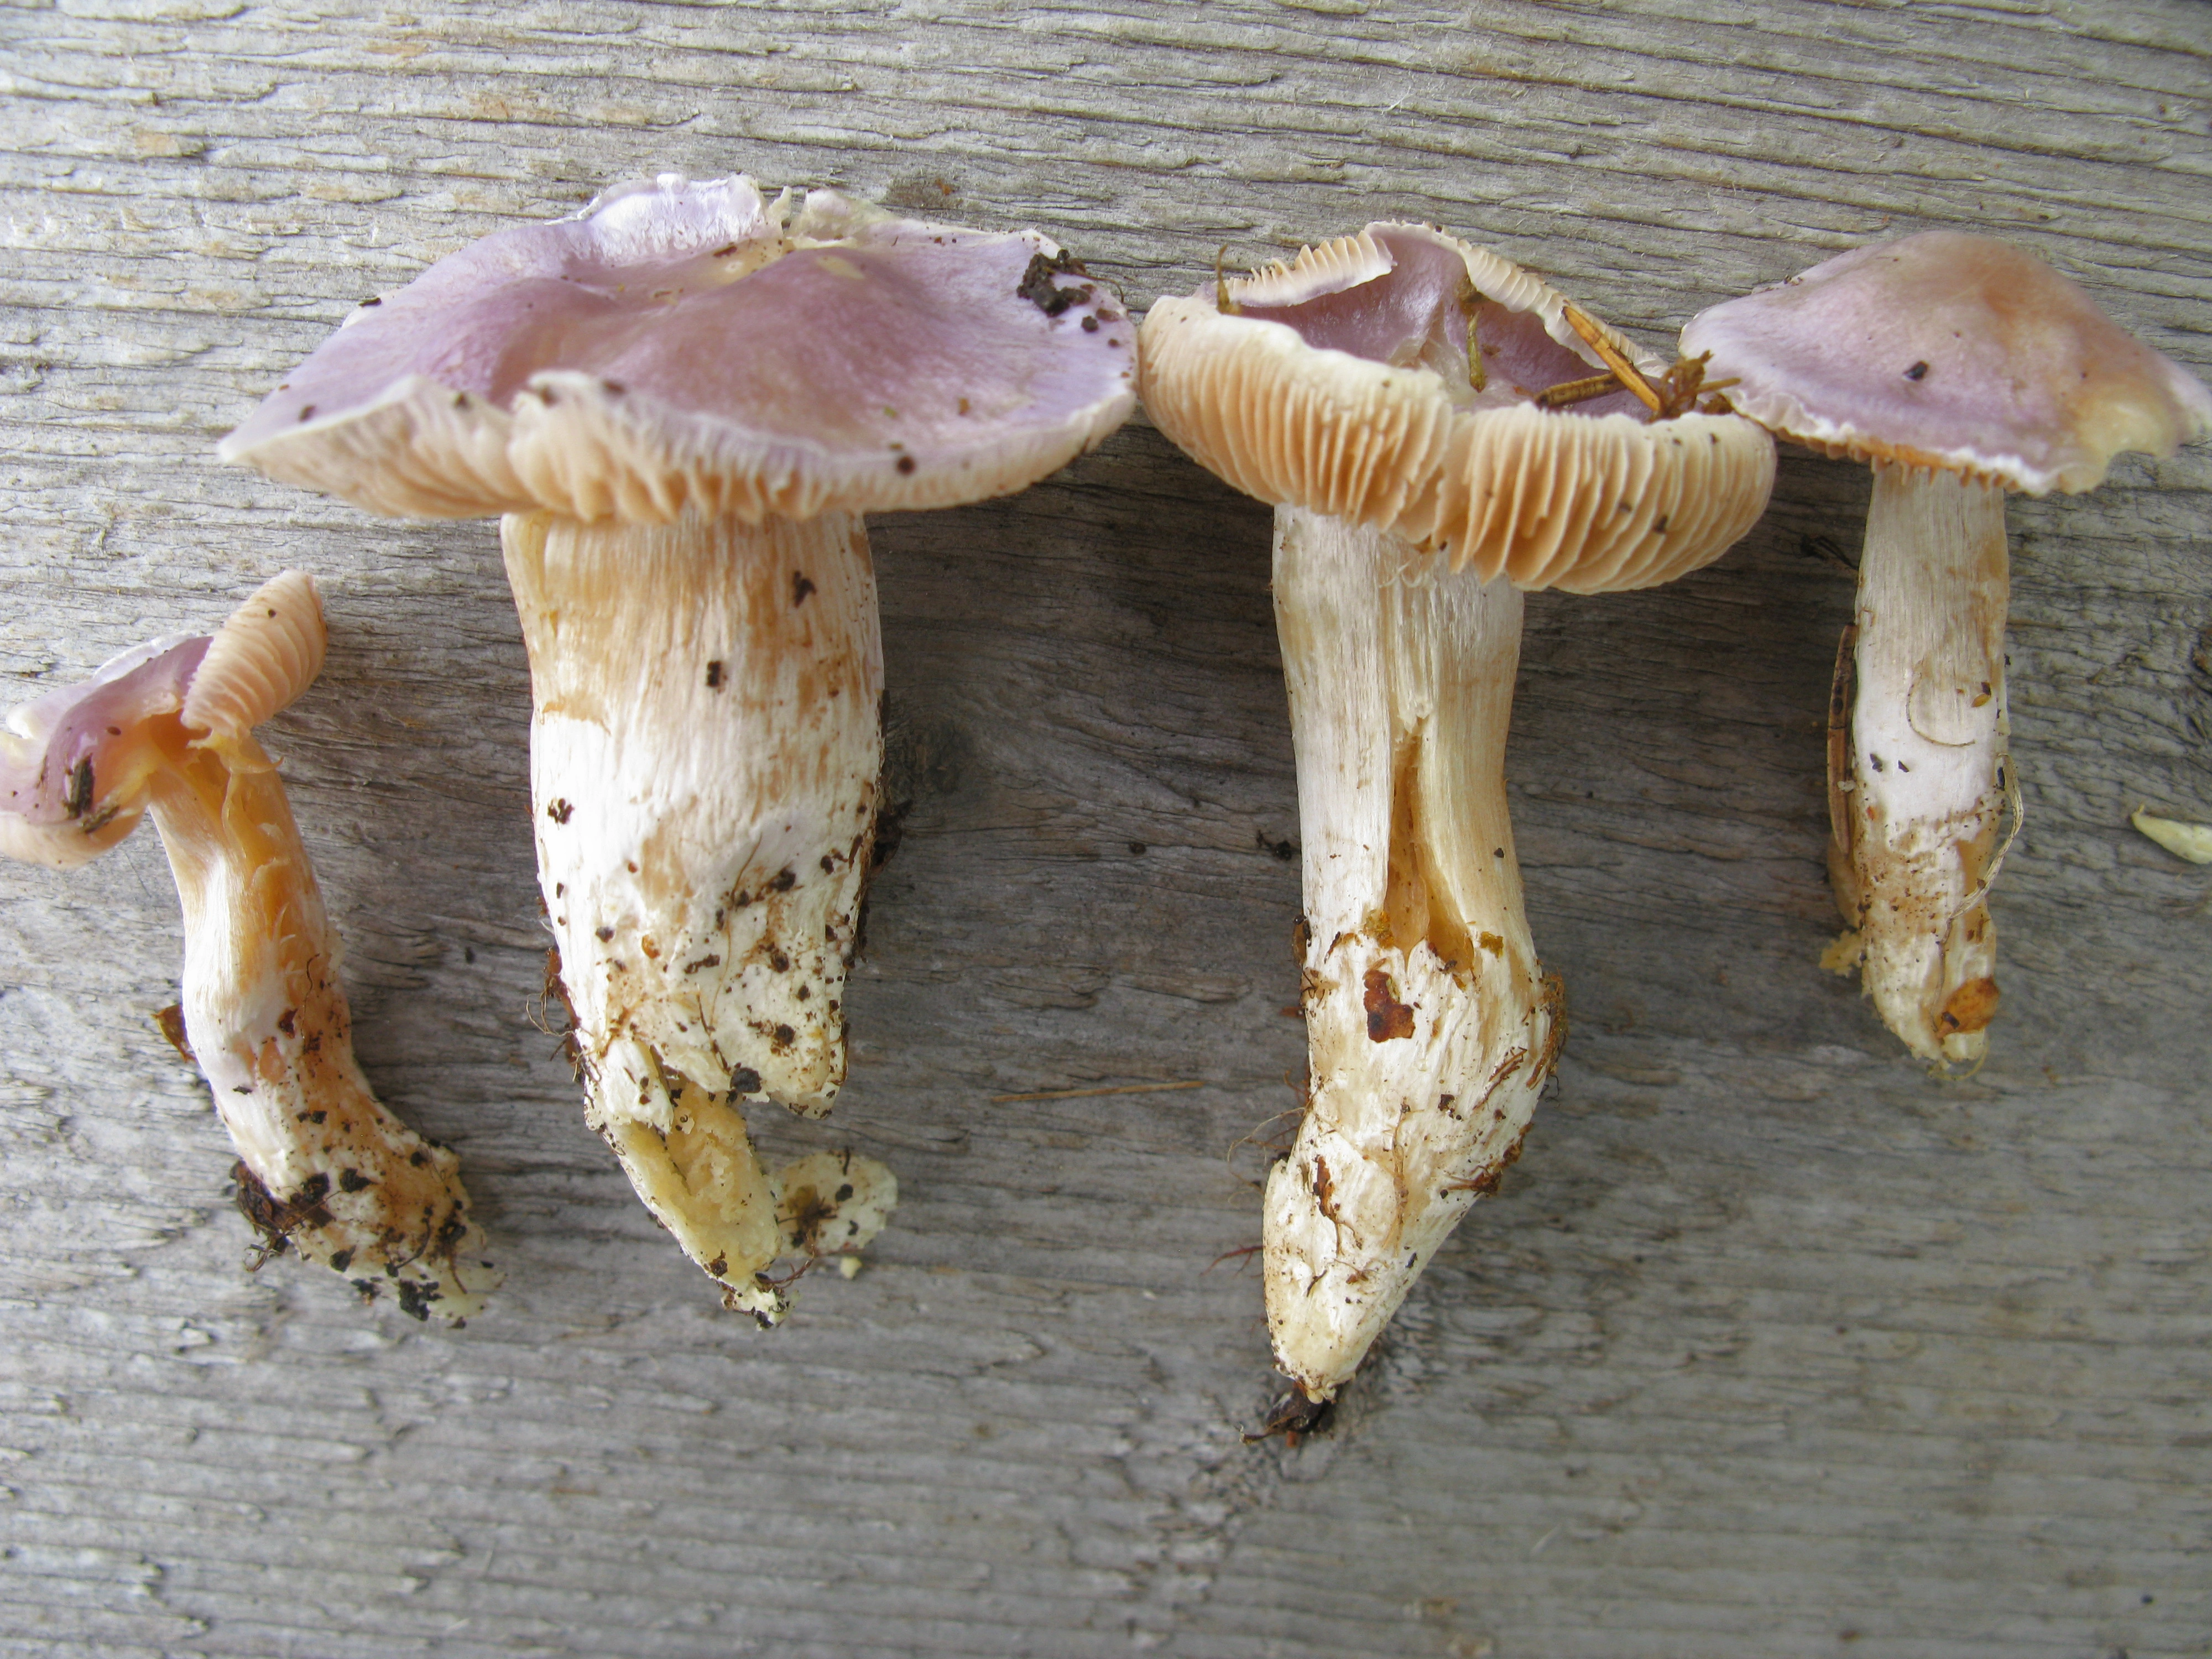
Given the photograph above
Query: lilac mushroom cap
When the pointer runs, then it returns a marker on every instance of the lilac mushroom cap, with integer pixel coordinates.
(678, 345)
(72, 762)
(1953, 351)
(1341, 382)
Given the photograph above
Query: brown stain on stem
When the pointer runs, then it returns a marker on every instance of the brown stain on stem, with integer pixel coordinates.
(1388, 1018)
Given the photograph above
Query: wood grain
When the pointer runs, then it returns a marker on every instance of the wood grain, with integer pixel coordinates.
(1769, 1347)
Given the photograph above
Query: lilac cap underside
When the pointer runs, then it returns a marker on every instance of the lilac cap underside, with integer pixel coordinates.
(1951, 351)
(680, 343)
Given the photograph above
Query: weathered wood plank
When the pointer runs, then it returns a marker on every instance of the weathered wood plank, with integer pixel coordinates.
(1769, 1347)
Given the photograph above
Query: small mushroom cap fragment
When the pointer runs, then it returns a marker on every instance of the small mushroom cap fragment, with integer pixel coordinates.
(1340, 382)
(74, 764)
(263, 657)
(678, 345)
(1951, 350)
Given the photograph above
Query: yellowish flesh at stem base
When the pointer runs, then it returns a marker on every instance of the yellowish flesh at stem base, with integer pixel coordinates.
(1919, 784)
(704, 756)
(1429, 1028)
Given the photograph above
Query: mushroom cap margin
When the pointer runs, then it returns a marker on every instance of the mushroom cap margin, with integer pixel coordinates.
(261, 659)
(1598, 505)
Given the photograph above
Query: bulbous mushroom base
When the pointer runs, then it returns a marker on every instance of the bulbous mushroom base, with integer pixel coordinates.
(1424, 1082)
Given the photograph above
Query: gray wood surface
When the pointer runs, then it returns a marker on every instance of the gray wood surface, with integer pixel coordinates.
(1770, 1346)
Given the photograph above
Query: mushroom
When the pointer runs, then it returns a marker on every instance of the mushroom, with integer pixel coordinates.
(1425, 418)
(683, 398)
(1961, 367)
(323, 1167)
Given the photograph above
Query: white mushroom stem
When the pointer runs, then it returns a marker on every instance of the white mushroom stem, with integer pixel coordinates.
(327, 1170)
(704, 756)
(1429, 1028)
(1919, 790)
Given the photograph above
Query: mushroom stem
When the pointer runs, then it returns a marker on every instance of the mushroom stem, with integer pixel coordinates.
(326, 1169)
(169, 727)
(704, 754)
(1916, 819)
(1430, 1027)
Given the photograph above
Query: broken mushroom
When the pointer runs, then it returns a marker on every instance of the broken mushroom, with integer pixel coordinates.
(1438, 429)
(1961, 367)
(832, 1205)
(683, 398)
(323, 1167)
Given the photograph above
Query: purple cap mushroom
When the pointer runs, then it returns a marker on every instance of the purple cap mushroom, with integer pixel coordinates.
(1961, 367)
(323, 1167)
(683, 398)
